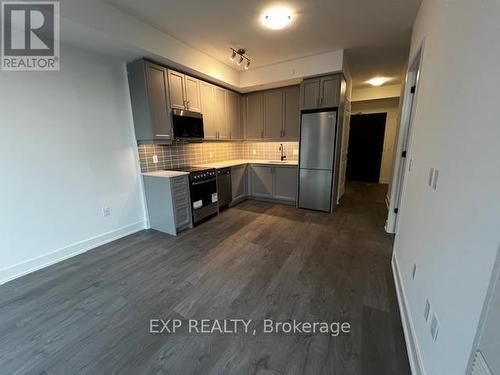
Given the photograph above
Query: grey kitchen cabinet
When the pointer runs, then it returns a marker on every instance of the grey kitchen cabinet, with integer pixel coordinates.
(184, 91)
(285, 183)
(168, 203)
(291, 113)
(207, 93)
(261, 181)
(271, 182)
(239, 181)
(233, 108)
(309, 93)
(329, 91)
(273, 114)
(220, 113)
(176, 86)
(320, 92)
(149, 97)
(254, 119)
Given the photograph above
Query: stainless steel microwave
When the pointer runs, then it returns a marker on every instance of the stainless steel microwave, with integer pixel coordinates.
(187, 125)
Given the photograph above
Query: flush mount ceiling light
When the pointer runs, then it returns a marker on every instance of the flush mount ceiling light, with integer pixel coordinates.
(377, 81)
(239, 56)
(277, 18)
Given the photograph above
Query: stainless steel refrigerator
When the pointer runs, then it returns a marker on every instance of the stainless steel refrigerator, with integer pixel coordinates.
(317, 160)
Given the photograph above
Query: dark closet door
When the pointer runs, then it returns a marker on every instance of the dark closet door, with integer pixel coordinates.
(366, 143)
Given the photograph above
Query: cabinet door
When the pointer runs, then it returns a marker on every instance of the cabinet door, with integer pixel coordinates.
(220, 112)
(291, 113)
(285, 183)
(192, 94)
(309, 93)
(254, 116)
(273, 114)
(157, 91)
(176, 85)
(239, 182)
(233, 115)
(261, 181)
(329, 91)
(207, 109)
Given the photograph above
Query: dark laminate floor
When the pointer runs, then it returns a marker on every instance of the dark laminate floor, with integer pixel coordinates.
(90, 314)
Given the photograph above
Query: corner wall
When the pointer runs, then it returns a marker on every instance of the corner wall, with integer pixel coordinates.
(452, 233)
(67, 150)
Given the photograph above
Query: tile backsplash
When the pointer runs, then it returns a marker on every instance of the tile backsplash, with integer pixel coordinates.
(179, 155)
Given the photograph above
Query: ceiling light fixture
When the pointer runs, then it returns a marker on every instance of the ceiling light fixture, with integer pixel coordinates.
(377, 81)
(277, 18)
(240, 56)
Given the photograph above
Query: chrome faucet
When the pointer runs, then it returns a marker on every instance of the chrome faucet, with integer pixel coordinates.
(282, 152)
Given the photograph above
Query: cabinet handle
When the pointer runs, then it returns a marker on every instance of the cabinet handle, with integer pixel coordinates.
(162, 135)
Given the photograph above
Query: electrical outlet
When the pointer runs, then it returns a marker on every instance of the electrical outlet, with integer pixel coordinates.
(427, 310)
(414, 271)
(211, 154)
(295, 151)
(254, 152)
(434, 327)
(106, 211)
(155, 159)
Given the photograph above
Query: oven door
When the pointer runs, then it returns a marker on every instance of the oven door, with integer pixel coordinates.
(203, 193)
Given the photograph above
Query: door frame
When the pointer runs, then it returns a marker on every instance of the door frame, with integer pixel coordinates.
(402, 164)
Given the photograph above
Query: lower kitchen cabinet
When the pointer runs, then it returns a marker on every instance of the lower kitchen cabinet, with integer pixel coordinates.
(285, 183)
(168, 202)
(277, 183)
(239, 182)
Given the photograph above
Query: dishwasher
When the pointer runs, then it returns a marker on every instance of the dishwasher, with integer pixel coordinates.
(224, 187)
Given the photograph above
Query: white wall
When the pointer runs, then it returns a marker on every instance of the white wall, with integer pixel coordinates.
(452, 234)
(67, 149)
(381, 92)
(391, 107)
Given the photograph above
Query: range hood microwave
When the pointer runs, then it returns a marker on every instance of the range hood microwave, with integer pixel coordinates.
(187, 125)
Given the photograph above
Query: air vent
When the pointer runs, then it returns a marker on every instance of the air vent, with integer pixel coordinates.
(479, 365)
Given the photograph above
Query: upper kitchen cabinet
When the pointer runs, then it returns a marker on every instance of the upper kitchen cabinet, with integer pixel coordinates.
(233, 107)
(208, 110)
(221, 113)
(184, 91)
(254, 109)
(149, 96)
(320, 92)
(273, 114)
(291, 113)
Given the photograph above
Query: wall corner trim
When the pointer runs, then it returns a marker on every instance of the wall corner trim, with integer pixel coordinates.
(35, 264)
(412, 347)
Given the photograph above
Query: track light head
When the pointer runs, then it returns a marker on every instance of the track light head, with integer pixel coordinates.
(240, 60)
(247, 66)
(233, 55)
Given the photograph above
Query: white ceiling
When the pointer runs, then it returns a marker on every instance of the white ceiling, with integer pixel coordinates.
(375, 34)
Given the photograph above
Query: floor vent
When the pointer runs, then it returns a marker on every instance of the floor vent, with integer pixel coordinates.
(479, 366)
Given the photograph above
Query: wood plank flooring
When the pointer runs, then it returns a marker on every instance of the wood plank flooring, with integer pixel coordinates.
(90, 314)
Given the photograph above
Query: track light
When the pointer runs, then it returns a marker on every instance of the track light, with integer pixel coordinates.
(240, 55)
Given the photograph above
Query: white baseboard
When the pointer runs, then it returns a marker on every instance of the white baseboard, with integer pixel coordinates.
(412, 347)
(66, 252)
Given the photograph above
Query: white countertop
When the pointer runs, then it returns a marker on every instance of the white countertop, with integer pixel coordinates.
(232, 163)
(165, 174)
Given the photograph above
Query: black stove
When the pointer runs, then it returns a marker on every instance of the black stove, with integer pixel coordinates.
(203, 192)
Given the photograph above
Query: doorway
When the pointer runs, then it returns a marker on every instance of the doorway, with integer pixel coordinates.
(366, 145)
